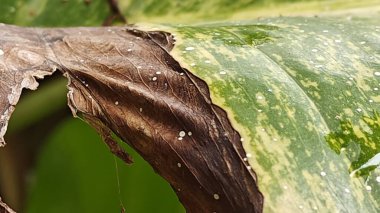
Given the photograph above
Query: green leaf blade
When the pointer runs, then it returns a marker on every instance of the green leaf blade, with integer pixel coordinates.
(286, 83)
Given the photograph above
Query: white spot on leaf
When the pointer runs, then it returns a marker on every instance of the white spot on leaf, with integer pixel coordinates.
(216, 197)
(182, 133)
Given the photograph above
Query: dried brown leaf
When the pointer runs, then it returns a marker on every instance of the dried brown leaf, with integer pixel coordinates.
(125, 81)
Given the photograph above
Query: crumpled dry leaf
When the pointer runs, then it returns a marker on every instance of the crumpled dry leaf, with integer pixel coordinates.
(21, 61)
(124, 81)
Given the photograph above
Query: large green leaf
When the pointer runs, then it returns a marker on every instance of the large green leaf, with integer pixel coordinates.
(291, 86)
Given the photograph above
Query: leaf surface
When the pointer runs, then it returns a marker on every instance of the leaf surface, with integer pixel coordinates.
(291, 86)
